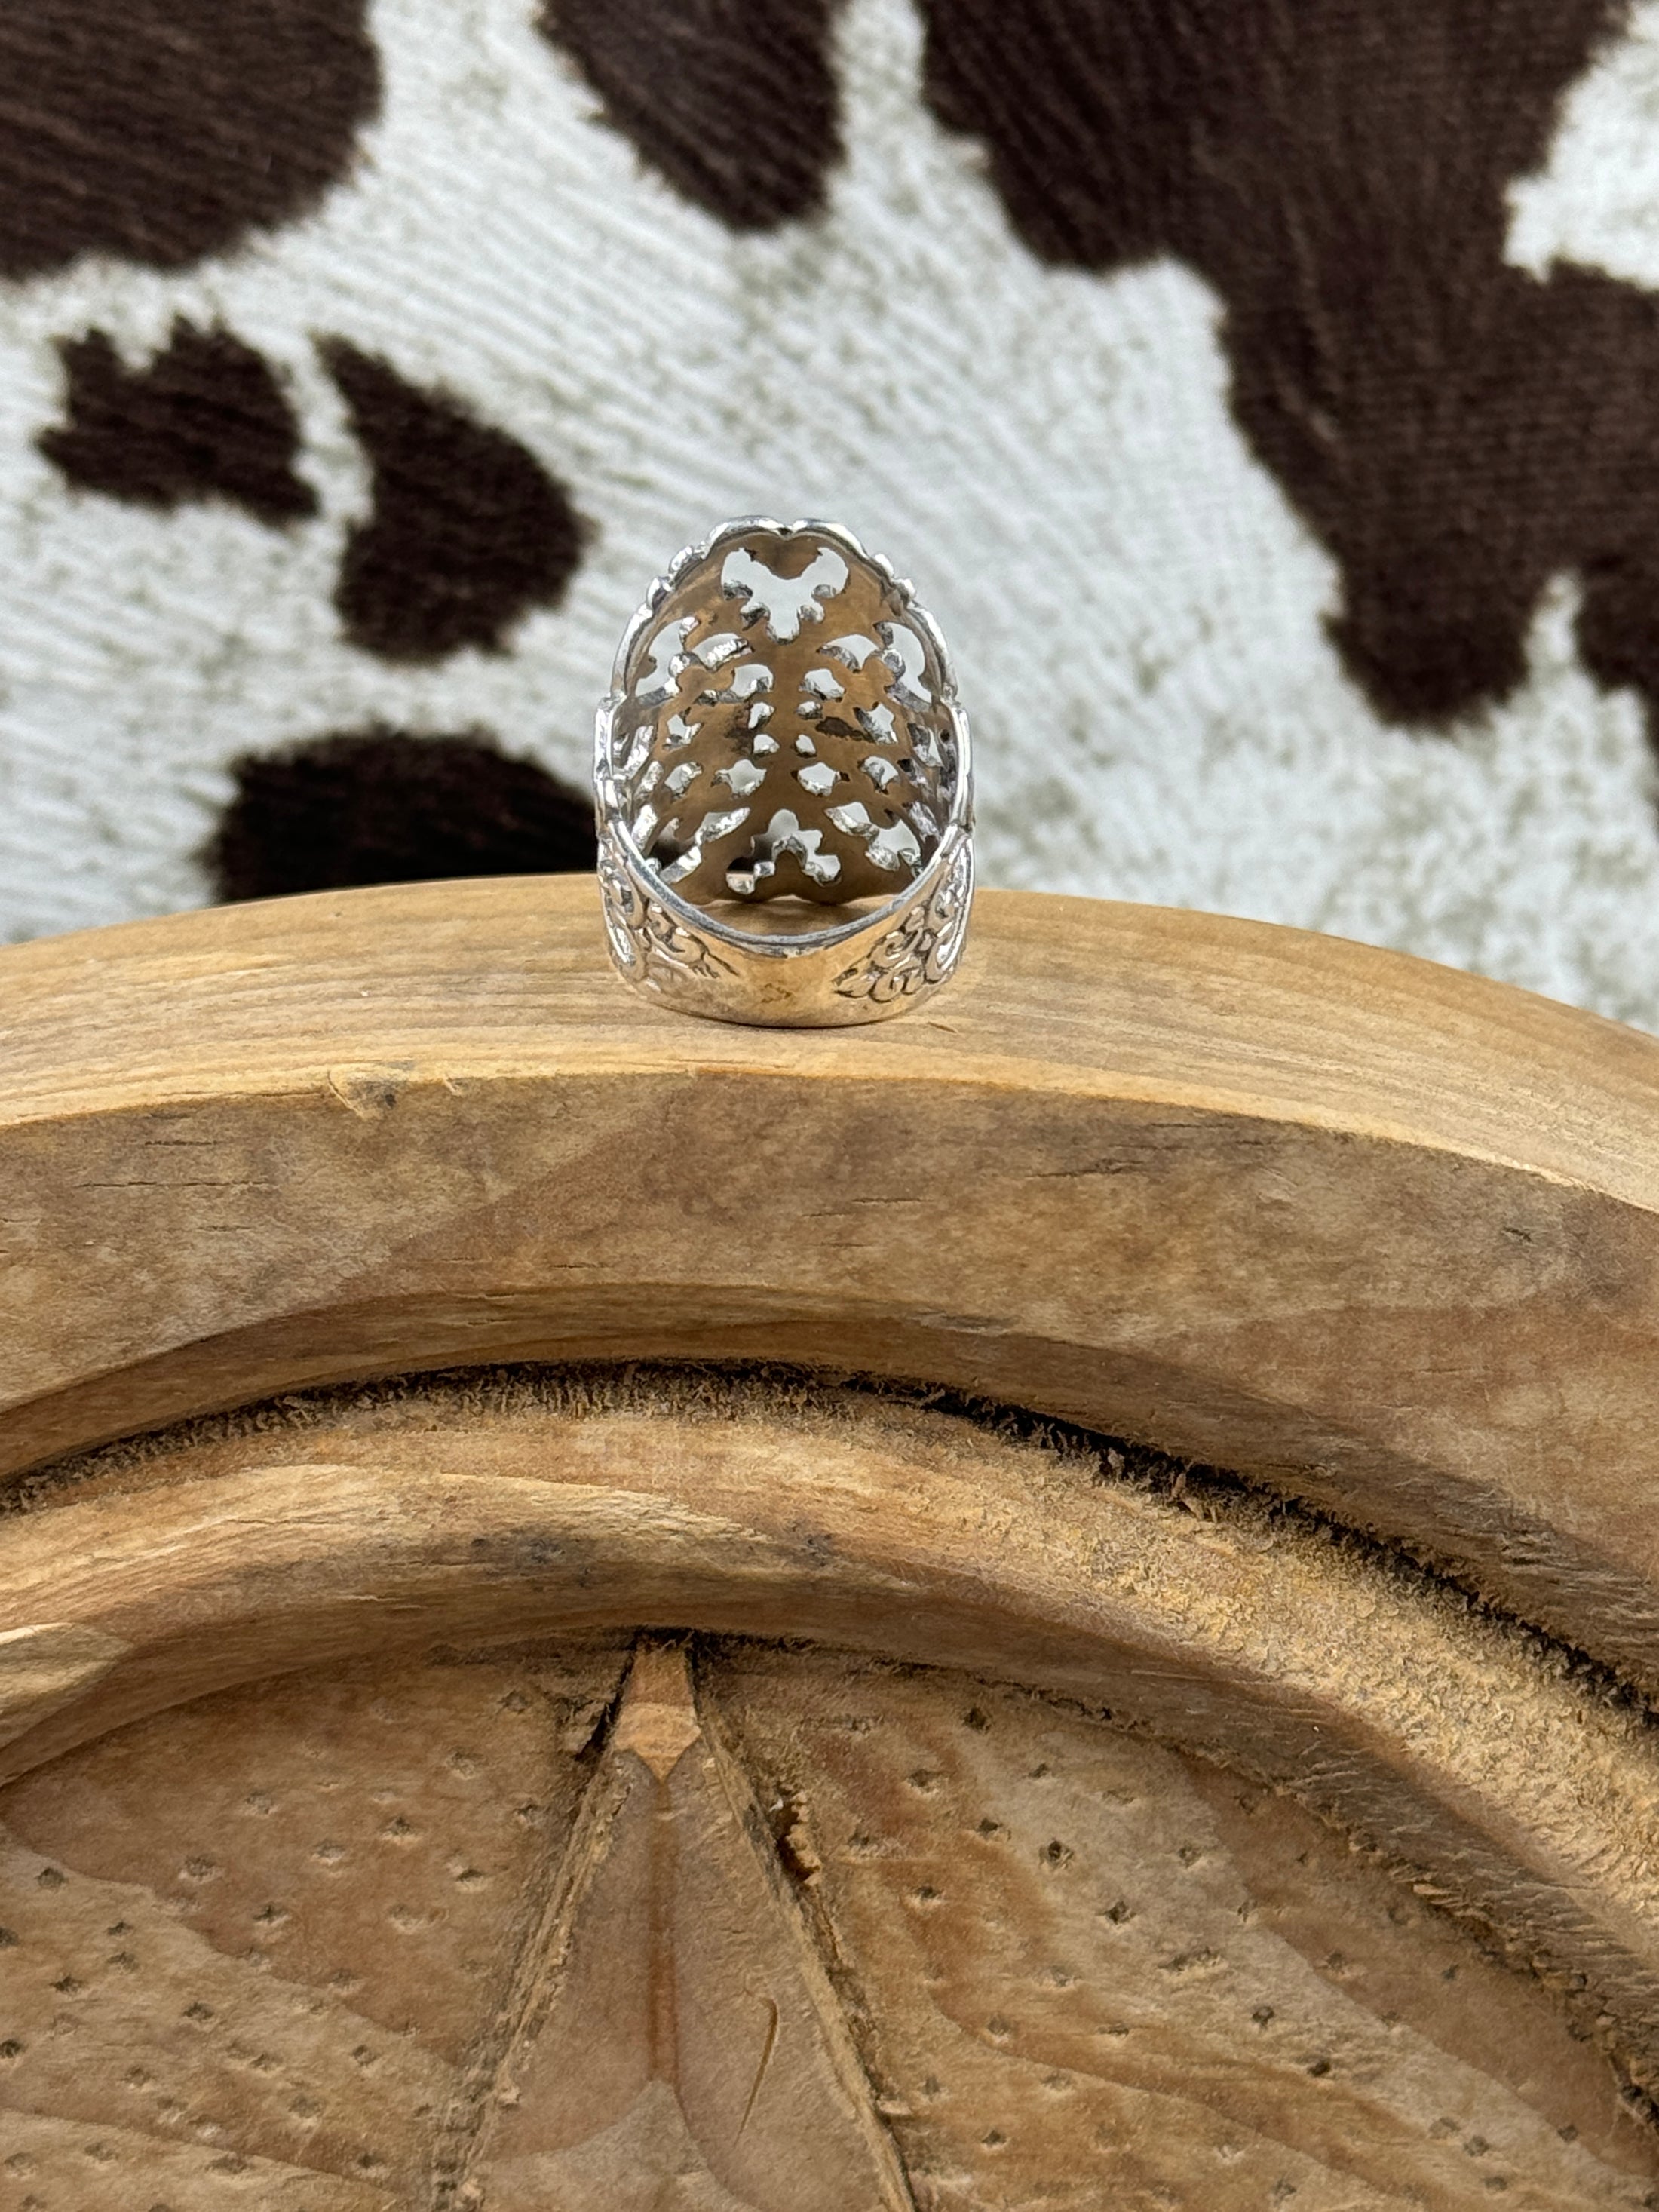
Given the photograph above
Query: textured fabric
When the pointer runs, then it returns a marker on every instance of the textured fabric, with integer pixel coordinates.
(374, 806)
(1263, 393)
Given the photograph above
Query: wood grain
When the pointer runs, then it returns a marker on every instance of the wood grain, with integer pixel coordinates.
(1090, 1973)
(265, 1949)
(673, 2034)
(989, 1814)
(1515, 1787)
(1377, 1233)
(249, 1947)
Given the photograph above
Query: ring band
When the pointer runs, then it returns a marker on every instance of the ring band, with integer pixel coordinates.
(782, 786)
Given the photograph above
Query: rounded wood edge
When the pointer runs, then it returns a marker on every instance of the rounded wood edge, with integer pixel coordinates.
(1375, 1234)
(1507, 1782)
(509, 975)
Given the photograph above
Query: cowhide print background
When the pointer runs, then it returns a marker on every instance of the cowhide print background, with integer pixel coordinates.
(1263, 393)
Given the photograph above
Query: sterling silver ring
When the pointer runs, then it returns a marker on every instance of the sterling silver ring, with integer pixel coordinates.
(782, 786)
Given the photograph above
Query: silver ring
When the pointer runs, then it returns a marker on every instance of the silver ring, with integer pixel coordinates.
(782, 786)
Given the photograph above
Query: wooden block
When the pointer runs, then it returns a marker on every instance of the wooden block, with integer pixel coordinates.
(692, 1754)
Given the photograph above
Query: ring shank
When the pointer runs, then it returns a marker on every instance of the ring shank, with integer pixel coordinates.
(865, 970)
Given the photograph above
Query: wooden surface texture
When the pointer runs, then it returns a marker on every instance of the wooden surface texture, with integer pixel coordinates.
(1519, 1792)
(1382, 1234)
(1054, 1603)
(304, 1945)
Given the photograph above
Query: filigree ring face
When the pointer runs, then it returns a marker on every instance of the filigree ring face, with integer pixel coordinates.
(783, 784)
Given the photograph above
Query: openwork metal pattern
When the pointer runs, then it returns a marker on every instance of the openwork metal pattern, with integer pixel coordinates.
(783, 786)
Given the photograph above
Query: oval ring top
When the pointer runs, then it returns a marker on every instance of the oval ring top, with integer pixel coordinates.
(784, 723)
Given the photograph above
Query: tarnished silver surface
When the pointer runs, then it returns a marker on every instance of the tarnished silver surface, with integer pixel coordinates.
(782, 783)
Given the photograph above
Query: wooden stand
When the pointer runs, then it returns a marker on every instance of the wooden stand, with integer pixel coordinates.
(1050, 1604)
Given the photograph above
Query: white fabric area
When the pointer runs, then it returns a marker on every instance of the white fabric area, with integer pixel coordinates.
(1136, 612)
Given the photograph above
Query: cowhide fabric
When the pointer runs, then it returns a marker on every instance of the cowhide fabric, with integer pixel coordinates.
(1264, 394)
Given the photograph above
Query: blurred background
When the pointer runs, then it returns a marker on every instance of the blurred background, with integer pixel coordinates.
(1264, 395)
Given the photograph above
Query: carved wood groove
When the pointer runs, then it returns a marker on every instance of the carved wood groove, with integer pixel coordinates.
(756, 1903)
(1375, 1234)
(670, 2031)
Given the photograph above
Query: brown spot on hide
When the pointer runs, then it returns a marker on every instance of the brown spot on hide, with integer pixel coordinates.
(1455, 430)
(468, 531)
(164, 131)
(206, 419)
(732, 101)
(378, 806)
